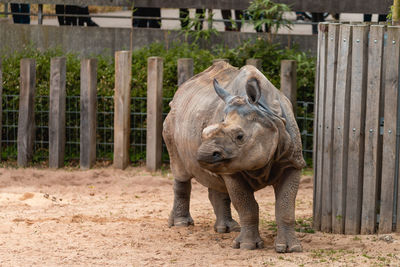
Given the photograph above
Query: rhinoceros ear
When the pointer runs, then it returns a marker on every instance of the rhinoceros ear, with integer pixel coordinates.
(221, 92)
(253, 90)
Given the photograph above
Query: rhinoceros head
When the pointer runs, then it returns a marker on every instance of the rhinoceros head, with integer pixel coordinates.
(246, 139)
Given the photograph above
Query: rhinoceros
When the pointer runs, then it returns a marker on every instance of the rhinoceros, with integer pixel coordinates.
(235, 133)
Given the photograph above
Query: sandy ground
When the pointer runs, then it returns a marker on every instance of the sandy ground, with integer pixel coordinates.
(108, 217)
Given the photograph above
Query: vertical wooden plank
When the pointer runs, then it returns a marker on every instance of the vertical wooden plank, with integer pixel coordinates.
(323, 33)
(122, 101)
(26, 116)
(256, 62)
(57, 112)
(289, 81)
(88, 113)
(315, 126)
(391, 60)
(185, 70)
(154, 113)
(340, 129)
(372, 130)
(331, 66)
(356, 129)
(1, 106)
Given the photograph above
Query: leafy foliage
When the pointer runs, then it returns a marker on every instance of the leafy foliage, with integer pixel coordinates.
(270, 54)
(269, 13)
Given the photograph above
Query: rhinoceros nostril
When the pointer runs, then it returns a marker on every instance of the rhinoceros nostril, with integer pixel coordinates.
(217, 155)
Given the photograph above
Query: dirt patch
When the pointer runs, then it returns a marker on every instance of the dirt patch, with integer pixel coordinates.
(119, 218)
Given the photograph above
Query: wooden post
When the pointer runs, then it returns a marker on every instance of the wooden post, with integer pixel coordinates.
(318, 177)
(373, 145)
(122, 101)
(256, 62)
(88, 113)
(340, 129)
(396, 12)
(315, 130)
(1, 104)
(154, 113)
(289, 81)
(57, 112)
(40, 14)
(185, 70)
(389, 157)
(331, 65)
(356, 129)
(26, 116)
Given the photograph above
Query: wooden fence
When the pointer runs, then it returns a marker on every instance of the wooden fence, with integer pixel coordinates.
(356, 130)
(88, 108)
(332, 6)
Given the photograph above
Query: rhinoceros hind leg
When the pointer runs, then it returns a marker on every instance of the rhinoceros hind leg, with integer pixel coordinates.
(180, 215)
(222, 209)
(285, 194)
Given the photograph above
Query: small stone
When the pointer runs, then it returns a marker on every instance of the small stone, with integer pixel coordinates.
(387, 238)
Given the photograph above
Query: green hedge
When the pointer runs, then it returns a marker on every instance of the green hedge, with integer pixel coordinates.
(270, 54)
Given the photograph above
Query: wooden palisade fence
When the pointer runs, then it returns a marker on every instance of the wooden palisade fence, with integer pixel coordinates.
(356, 130)
(88, 108)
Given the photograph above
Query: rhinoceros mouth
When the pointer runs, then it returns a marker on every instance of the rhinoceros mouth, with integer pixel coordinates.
(213, 164)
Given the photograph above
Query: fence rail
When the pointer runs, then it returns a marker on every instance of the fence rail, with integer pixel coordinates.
(336, 6)
(105, 129)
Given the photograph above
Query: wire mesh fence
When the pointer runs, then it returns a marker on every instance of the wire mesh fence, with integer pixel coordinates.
(105, 128)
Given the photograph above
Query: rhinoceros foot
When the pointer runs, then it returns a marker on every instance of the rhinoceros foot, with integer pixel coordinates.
(226, 226)
(287, 242)
(180, 221)
(249, 238)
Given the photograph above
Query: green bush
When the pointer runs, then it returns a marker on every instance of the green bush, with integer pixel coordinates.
(270, 54)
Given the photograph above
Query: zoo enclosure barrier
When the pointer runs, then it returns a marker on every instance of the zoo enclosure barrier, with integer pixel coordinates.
(40, 14)
(55, 125)
(356, 130)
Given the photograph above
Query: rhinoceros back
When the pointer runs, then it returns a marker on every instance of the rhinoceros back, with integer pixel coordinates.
(195, 106)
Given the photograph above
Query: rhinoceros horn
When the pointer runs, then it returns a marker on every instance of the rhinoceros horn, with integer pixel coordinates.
(221, 92)
(253, 90)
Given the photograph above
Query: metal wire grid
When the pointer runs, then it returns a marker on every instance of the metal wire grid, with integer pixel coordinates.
(9, 127)
(105, 128)
(305, 120)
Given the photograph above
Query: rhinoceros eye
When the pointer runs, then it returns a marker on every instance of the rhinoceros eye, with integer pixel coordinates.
(239, 137)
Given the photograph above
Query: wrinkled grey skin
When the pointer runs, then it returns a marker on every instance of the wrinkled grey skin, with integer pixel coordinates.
(235, 133)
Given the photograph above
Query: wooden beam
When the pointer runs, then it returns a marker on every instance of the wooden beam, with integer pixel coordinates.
(373, 144)
(355, 164)
(256, 62)
(122, 108)
(289, 82)
(58, 94)
(320, 103)
(335, 6)
(26, 115)
(154, 113)
(340, 129)
(88, 113)
(185, 70)
(331, 66)
(389, 157)
(1, 104)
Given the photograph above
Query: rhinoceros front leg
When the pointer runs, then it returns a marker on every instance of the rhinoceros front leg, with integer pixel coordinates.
(222, 209)
(242, 196)
(180, 215)
(285, 195)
